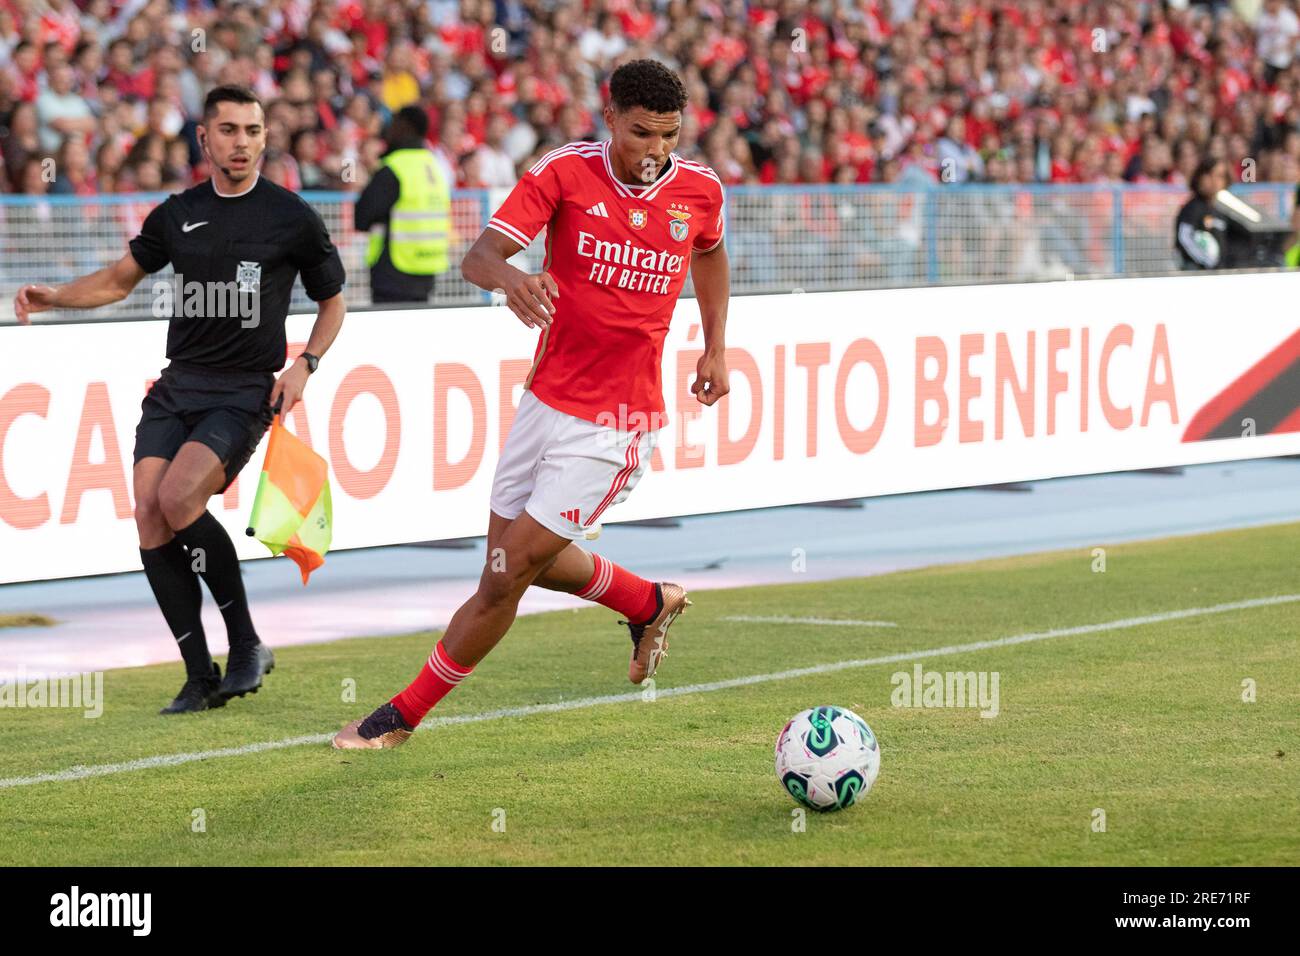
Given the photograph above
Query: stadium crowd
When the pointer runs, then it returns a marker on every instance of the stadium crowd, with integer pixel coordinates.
(782, 91)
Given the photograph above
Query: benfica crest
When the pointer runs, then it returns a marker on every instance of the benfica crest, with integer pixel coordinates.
(249, 276)
(678, 226)
(636, 218)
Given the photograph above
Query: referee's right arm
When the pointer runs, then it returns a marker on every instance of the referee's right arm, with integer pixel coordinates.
(110, 284)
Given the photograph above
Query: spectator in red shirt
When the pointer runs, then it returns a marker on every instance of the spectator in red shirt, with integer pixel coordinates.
(26, 69)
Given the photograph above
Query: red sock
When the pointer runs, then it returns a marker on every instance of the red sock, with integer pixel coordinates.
(620, 590)
(438, 676)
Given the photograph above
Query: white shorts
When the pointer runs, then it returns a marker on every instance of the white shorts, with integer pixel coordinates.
(564, 471)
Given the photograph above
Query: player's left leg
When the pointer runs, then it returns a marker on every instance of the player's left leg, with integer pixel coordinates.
(194, 477)
(525, 547)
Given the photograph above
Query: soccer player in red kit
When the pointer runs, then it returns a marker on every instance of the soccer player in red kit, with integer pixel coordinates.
(624, 219)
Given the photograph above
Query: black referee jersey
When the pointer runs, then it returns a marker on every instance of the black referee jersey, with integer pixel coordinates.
(253, 244)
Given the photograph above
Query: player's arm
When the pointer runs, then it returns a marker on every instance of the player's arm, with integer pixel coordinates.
(292, 381)
(711, 273)
(528, 296)
(110, 284)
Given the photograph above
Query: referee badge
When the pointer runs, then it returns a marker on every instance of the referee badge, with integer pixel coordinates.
(636, 218)
(249, 276)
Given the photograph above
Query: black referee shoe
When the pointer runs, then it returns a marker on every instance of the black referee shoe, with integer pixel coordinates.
(199, 693)
(245, 667)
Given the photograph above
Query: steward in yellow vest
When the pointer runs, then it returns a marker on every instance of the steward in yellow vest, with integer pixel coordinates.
(406, 207)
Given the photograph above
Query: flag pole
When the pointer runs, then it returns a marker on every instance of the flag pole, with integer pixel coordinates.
(270, 445)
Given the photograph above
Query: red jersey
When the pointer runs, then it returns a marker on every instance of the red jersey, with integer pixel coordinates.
(619, 254)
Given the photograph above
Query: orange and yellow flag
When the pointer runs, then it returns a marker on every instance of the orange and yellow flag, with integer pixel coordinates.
(292, 513)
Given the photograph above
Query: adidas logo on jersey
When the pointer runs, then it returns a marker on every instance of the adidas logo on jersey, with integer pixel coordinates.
(598, 210)
(571, 515)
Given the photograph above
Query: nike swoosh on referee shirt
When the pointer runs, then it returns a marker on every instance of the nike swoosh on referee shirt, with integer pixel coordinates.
(187, 227)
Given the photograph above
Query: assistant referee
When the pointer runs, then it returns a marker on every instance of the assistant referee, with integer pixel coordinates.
(236, 243)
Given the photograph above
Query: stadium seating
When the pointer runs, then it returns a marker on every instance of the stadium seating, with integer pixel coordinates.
(781, 91)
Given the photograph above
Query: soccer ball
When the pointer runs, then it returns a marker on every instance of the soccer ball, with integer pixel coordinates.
(827, 757)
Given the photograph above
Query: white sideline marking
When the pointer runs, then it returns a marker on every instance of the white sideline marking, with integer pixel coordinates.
(172, 760)
(760, 619)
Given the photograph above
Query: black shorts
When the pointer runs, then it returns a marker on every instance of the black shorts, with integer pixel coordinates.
(228, 412)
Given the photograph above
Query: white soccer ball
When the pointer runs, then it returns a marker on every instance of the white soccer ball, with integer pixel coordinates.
(827, 758)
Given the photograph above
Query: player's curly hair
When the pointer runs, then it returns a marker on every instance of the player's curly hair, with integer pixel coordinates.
(648, 84)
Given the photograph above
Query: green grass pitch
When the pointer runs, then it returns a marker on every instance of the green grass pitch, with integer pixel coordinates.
(1145, 723)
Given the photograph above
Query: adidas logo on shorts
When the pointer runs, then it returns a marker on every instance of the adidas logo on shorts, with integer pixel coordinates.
(571, 515)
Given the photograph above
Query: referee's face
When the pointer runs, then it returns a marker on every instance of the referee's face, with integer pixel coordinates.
(235, 139)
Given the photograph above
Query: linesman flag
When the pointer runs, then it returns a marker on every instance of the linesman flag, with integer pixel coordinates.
(292, 514)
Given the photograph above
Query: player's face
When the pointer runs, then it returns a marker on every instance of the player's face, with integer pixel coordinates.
(236, 139)
(642, 141)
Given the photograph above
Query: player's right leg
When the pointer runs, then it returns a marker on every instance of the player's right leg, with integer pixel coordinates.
(650, 607)
(561, 468)
(587, 469)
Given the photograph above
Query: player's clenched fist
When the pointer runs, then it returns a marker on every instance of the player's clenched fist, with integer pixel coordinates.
(710, 378)
(32, 298)
(531, 298)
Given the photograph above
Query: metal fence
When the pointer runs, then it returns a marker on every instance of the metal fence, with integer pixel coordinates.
(779, 238)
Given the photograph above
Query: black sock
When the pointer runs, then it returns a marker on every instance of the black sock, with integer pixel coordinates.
(220, 569)
(176, 588)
